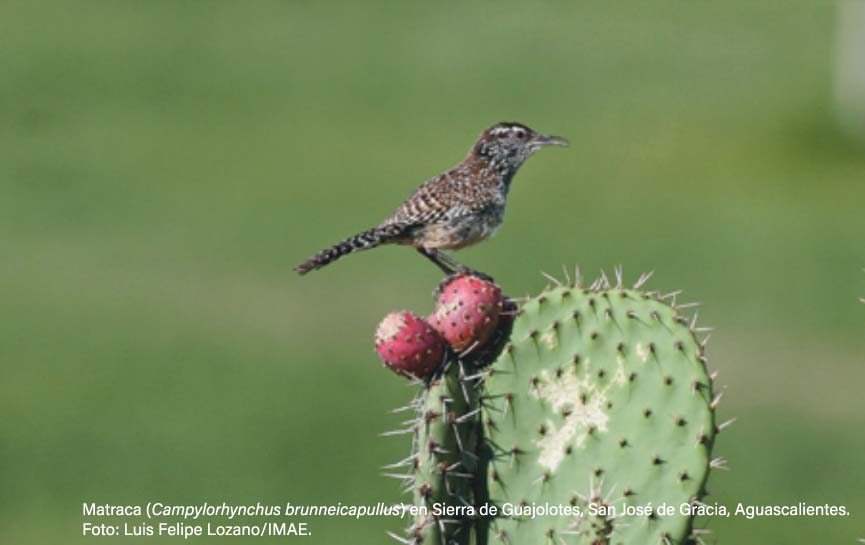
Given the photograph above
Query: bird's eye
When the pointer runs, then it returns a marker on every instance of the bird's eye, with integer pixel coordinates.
(521, 134)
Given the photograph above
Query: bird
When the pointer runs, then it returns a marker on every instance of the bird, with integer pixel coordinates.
(458, 208)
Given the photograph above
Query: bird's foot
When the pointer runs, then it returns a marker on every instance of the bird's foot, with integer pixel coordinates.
(477, 274)
(464, 271)
(440, 288)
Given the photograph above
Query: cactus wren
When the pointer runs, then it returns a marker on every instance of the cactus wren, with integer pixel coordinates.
(461, 207)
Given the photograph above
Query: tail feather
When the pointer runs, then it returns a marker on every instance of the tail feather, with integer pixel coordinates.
(362, 241)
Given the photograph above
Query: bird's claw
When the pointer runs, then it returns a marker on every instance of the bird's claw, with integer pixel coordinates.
(440, 288)
(477, 274)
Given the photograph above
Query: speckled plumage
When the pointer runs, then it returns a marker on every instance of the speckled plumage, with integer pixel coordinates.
(459, 208)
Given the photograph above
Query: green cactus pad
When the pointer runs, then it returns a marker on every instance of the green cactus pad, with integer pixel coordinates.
(447, 432)
(600, 400)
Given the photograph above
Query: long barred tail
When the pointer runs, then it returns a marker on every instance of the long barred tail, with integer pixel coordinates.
(363, 241)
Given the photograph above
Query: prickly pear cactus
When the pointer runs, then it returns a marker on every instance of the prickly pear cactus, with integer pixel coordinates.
(602, 402)
(444, 461)
(595, 400)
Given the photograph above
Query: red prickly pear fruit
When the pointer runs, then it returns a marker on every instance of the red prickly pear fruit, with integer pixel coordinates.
(467, 312)
(408, 345)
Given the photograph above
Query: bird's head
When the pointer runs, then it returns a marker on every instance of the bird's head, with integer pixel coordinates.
(509, 144)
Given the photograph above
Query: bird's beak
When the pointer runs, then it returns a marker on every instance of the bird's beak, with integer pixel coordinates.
(542, 140)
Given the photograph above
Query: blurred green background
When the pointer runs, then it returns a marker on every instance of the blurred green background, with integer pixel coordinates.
(163, 165)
